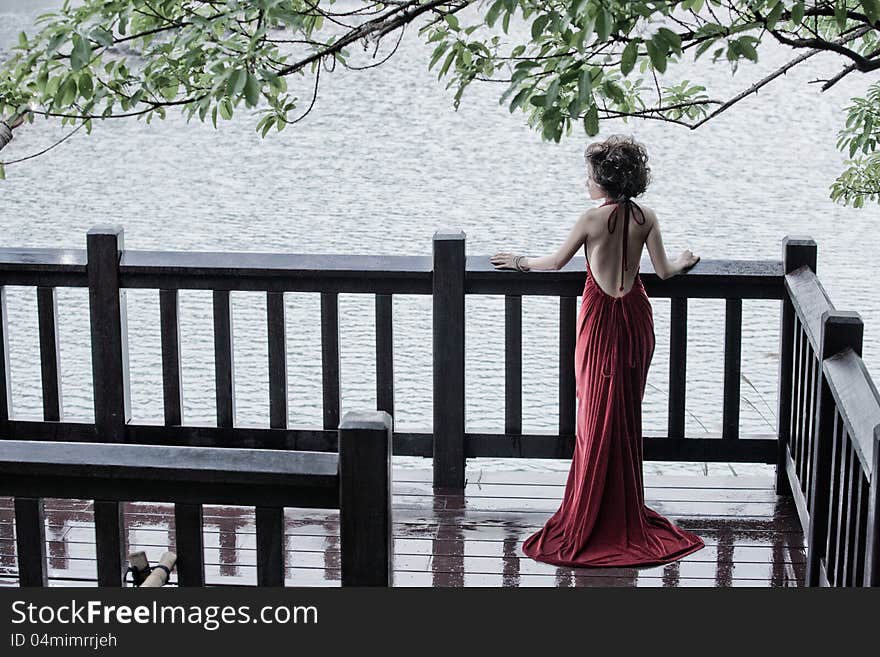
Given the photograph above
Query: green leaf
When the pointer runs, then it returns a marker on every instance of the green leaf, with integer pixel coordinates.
(68, 91)
(438, 53)
(56, 41)
(269, 122)
(102, 36)
(225, 106)
(773, 16)
(451, 21)
(494, 11)
(585, 86)
(670, 38)
(169, 92)
(604, 22)
(449, 59)
(797, 12)
(539, 25)
(840, 14)
(628, 57)
(42, 79)
(81, 53)
(657, 55)
(539, 100)
(591, 120)
(748, 50)
(236, 82)
(519, 98)
(2, 172)
(85, 85)
(703, 47)
(872, 10)
(252, 90)
(552, 93)
(614, 92)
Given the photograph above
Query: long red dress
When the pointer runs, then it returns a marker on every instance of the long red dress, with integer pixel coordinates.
(603, 520)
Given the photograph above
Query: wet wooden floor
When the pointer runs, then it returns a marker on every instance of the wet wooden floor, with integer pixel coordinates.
(752, 536)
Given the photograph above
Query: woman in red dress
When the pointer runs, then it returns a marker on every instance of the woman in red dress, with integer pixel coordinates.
(603, 520)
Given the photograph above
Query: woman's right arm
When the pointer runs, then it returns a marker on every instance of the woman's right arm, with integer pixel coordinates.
(663, 266)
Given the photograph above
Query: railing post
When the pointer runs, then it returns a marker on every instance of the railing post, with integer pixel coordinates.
(365, 523)
(448, 320)
(840, 329)
(110, 376)
(872, 553)
(796, 252)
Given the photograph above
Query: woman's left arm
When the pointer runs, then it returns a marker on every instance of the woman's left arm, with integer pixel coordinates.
(553, 261)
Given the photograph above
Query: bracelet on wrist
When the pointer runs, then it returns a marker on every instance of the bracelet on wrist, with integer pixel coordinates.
(519, 263)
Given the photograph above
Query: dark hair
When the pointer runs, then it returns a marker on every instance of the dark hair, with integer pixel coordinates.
(619, 165)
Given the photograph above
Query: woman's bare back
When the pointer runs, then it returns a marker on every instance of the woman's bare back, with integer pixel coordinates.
(602, 247)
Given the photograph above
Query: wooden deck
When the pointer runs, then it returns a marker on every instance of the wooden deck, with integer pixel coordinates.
(752, 536)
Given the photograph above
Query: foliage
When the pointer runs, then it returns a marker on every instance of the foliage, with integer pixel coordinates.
(566, 63)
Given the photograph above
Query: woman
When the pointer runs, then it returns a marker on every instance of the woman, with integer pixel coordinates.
(603, 520)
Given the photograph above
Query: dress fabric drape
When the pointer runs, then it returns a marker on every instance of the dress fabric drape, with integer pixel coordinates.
(603, 520)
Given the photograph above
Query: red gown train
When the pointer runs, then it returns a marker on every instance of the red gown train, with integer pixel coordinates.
(603, 520)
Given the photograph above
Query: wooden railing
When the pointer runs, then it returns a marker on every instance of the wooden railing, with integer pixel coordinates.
(108, 270)
(829, 428)
(356, 481)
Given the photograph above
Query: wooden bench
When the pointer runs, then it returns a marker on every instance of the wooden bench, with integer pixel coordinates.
(356, 480)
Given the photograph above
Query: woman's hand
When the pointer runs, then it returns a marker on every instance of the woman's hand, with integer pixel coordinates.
(503, 260)
(687, 259)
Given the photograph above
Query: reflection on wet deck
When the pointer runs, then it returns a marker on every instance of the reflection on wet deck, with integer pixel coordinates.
(752, 536)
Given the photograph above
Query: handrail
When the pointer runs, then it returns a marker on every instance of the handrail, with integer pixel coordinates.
(401, 274)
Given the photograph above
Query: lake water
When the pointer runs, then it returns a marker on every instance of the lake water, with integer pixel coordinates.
(380, 164)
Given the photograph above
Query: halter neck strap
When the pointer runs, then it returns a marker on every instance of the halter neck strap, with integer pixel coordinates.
(627, 203)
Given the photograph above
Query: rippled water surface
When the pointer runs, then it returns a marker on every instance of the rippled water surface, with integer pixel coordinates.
(380, 164)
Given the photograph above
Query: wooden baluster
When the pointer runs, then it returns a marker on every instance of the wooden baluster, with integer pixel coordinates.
(270, 545)
(330, 358)
(677, 366)
(809, 409)
(47, 307)
(732, 368)
(30, 542)
(840, 560)
(567, 392)
(385, 354)
(513, 364)
(800, 432)
(277, 350)
(851, 520)
(224, 362)
(860, 526)
(838, 443)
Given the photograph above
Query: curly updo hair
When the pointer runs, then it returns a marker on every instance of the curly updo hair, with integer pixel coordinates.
(619, 165)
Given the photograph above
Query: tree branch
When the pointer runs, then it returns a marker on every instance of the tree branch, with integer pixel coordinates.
(775, 74)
